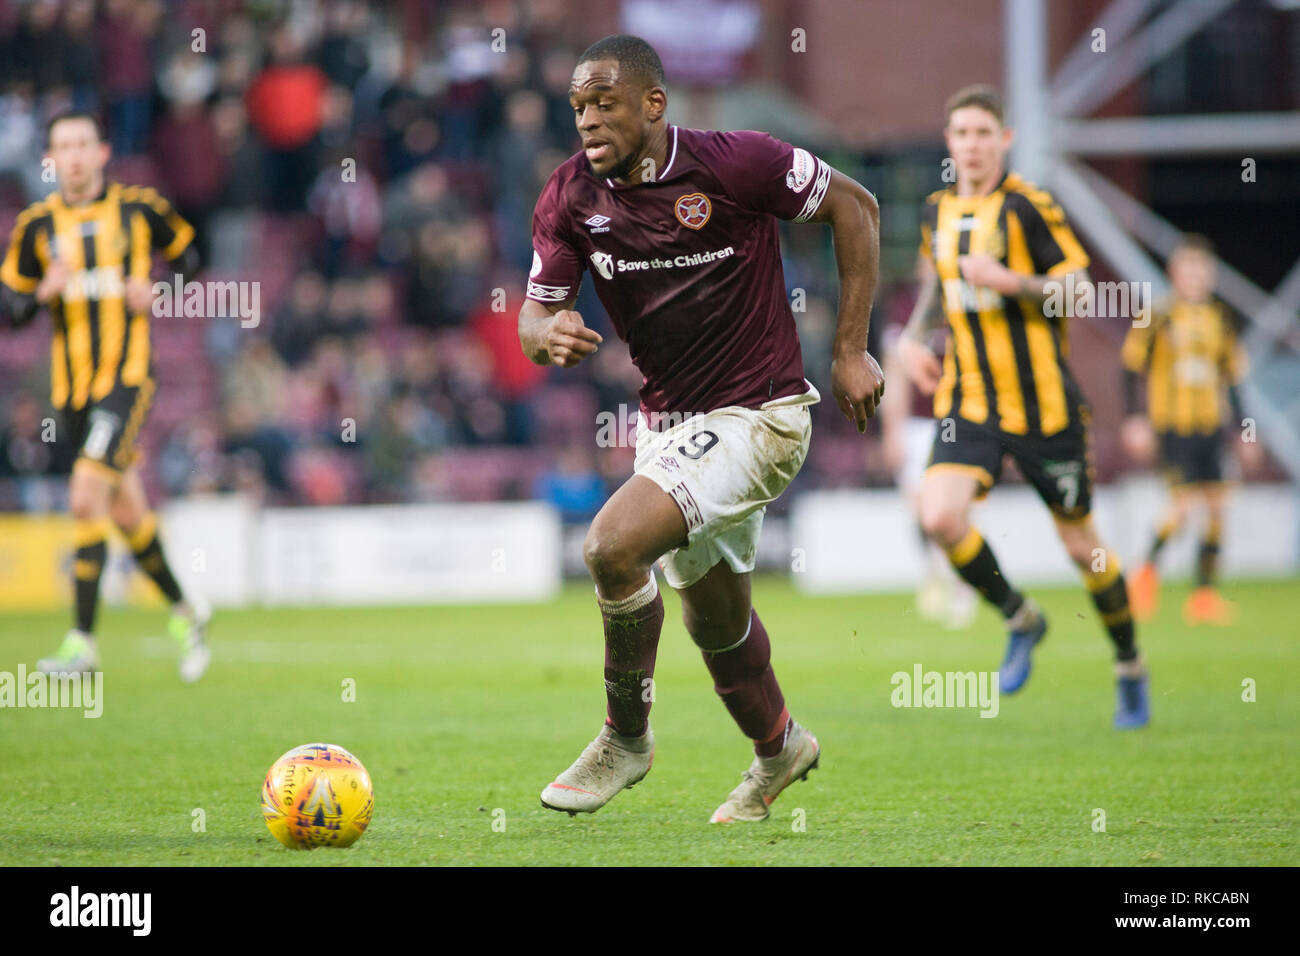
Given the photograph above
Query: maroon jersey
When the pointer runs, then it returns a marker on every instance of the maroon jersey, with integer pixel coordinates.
(688, 265)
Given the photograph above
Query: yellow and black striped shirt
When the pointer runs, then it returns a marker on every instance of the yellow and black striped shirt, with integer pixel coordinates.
(1005, 362)
(1191, 356)
(102, 243)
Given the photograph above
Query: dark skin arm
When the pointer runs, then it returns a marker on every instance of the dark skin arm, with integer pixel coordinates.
(555, 334)
(854, 217)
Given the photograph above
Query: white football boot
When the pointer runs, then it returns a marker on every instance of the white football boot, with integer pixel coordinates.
(768, 776)
(76, 655)
(188, 625)
(610, 763)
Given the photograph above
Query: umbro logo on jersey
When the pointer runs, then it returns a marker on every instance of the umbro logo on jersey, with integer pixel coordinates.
(598, 223)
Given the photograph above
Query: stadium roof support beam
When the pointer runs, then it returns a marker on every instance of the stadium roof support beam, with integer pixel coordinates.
(1091, 199)
(1025, 26)
(1114, 71)
(1118, 20)
(1232, 133)
(1278, 317)
(1271, 313)
(1096, 220)
(1052, 137)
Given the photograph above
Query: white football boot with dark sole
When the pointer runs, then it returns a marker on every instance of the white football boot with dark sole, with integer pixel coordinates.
(610, 763)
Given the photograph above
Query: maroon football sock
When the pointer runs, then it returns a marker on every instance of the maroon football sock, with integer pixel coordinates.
(743, 678)
(632, 627)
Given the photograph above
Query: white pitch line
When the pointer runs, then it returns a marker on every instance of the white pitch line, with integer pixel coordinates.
(267, 651)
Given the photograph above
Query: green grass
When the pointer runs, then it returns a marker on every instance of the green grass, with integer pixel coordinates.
(461, 711)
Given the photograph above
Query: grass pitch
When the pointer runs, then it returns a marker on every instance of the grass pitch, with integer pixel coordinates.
(463, 714)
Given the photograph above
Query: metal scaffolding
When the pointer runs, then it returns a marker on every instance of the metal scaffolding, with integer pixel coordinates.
(1054, 136)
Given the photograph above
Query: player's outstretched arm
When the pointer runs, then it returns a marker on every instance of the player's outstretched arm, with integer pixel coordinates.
(555, 334)
(854, 218)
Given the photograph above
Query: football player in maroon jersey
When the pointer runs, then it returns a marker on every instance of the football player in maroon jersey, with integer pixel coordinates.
(678, 228)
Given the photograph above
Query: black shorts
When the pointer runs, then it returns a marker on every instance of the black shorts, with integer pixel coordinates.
(103, 433)
(1191, 459)
(1059, 467)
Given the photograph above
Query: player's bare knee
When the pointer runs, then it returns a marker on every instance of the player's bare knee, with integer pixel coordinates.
(1081, 554)
(85, 505)
(944, 525)
(613, 566)
(596, 553)
(126, 519)
(1081, 544)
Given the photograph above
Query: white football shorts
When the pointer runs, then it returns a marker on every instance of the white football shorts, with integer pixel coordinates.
(723, 468)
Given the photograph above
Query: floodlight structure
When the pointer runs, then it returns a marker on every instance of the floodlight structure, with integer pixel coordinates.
(1054, 137)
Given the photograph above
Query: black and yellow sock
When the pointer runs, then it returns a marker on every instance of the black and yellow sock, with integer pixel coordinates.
(149, 556)
(1207, 561)
(974, 561)
(91, 540)
(1166, 531)
(1110, 595)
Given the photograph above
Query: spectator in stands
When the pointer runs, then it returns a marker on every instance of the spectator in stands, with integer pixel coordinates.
(286, 104)
(572, 486)
(297, 324)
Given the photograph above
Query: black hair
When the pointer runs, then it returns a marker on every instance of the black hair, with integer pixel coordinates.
(637, 58)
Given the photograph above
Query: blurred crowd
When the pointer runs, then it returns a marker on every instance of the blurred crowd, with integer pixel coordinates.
(374, 167)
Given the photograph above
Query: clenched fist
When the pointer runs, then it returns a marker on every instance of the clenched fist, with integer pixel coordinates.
(920, 364)
(1138, 439)
(568, 341)
(138, 294)
(858, 385)
(52, 283)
